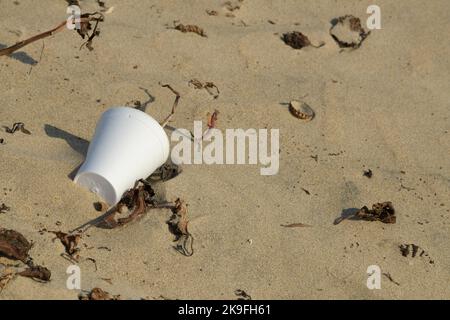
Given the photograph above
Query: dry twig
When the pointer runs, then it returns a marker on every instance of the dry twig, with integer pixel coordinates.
(175, 104)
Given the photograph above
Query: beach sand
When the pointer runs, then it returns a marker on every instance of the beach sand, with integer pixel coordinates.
(384, 106)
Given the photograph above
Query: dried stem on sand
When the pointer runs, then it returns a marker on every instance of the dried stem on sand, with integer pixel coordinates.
(175, 104)
(84, 21)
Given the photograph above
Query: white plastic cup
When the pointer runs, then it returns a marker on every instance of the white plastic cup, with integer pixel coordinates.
(128, 145)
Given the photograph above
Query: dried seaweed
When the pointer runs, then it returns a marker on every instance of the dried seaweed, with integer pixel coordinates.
(212, 12)
(412, 250)
(348, 32)
(89, 24)
(175, 104)
(242, 295)
(14, 245)
(85, 22)
(210, 87)
(298, 40)
(98, 294)
(383, 212)
(37, 273)
(137, 201)
(18, 126)
(189, 28)
(178, 226)
(69, 241)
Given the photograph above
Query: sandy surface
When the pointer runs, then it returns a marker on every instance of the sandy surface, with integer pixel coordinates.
(384, 106)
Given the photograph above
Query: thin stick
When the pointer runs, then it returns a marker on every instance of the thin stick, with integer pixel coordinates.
(175, 103)
(21, 44)
(40, 57)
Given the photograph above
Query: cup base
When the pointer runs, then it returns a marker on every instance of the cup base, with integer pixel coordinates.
(98, 185)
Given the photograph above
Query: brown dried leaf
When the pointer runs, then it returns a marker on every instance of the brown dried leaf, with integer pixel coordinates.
(14, 245)
(69, 241)
(296, 40)
(37, 273)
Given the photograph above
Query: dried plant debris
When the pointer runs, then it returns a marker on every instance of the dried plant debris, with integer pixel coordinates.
(97, 294)
(13, 245)
(89, 27)
(388, 275)
(210, 87)
(4, 208)
(296, 40)
(295, 225)
(138, 201)
(383, 212)
(233, 5)
(70, 242)
(18, 126)
(348, 32)
(135, 202)
(166, 172)
(189, 28)
(413, 250)
(37, 273)
(86, 21)
(7, 273)
(368, 173)
(178, 225)
(301, 110)
(212, 119)
(174, 105)
(212, 12)
(242, 295)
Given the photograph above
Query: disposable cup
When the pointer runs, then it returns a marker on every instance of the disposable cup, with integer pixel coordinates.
(128, 145)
